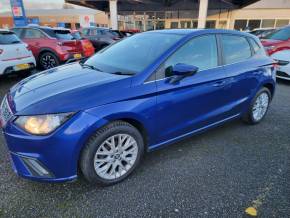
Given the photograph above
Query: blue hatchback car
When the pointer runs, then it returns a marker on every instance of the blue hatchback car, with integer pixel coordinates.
(98, 117)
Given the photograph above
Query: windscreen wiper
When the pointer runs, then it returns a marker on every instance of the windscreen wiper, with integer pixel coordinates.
(90, 67)
(123, 73)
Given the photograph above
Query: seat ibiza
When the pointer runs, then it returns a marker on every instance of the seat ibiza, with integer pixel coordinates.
(97, 118)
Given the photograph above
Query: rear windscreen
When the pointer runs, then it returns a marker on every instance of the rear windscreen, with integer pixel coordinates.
(63, 34)
(8, 38)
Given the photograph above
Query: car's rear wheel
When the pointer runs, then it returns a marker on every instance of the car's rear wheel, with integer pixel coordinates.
(112, 153)
(48, 60)
(259, 107)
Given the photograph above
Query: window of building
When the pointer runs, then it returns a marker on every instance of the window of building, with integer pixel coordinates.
(210, 24)
(171, 14)
(194, 24)
(200, 52)
(254, 24)
(33, 34)
(174, 25)
(240, 24)
(150, 25)
(160, 15)
(185, 24)
(268, 23)
(235, 48)
(67, 25)
(281, 23)
(160, 25)
(77, 25)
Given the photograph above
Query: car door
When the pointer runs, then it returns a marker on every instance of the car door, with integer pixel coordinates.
(196, 101)
(242, 68)
(34, 38)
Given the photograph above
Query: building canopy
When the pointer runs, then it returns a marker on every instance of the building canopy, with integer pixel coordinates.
(161, 5)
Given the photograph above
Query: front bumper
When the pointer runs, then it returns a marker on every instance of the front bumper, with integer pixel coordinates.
(52, 158)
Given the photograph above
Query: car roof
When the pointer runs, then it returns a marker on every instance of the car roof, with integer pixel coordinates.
(201, 31)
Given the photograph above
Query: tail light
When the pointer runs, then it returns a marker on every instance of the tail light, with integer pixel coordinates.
(28, 48)
(1, 51)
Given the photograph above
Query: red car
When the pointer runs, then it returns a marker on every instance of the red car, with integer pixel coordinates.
(87, 47)
(50, 46)
(277, 41)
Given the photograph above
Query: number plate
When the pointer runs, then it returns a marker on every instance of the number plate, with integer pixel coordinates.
(21, 67)
(5, 113)
(77, 56)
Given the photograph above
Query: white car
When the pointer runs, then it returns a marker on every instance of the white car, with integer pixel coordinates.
(283, 72)
(14, 54)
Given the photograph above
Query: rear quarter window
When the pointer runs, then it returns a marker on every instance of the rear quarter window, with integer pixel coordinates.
(256, 47)
(235, 49)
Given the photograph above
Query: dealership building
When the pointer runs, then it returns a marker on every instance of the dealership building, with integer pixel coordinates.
(159, 14)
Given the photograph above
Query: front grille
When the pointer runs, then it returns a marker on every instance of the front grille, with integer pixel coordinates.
(282, 74)
(5, 112)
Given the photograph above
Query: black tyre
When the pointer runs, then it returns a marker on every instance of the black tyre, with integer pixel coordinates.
(48, 60)
(112, 153)
(259, 107)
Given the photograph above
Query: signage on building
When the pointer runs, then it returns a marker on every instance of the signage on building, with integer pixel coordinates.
(86, 20)
(18, 13)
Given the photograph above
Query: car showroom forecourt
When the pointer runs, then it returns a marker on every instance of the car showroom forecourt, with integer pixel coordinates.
(52, 126)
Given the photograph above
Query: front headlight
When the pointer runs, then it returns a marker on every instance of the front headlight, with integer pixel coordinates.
(42, 124)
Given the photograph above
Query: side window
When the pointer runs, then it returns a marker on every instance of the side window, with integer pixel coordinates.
(200, 52)
(235, 48)
(33, 34)
(256, 47)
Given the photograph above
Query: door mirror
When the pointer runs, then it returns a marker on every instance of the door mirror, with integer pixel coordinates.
(184, 70)
(180, 71)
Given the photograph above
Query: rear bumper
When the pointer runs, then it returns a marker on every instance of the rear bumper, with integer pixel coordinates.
(7, 67)
(283, 74)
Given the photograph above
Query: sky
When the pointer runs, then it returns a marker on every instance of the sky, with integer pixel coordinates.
(33, 4)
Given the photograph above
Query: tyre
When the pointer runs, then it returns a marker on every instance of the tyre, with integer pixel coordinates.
(259, 107)
(112, 153)
(48, 60)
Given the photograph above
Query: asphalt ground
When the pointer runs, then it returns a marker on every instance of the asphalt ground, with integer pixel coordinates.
(219, 173)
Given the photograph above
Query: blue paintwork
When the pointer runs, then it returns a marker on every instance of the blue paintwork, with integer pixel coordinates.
(167, 112)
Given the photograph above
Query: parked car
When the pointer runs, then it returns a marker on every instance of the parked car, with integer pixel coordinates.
(140, 94)
(50, 46)
(277, 41)
(100, 37)
(262, 32)
(87, 47)
(119, 34)
(15, 55)
(283, 72)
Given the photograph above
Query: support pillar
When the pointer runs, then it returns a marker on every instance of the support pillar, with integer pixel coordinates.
(202, 14)
(114, 14)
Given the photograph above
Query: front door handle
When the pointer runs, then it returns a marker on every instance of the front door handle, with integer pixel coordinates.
(219, 83)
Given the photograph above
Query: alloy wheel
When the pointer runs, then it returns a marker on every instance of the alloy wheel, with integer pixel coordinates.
(116, 156)
(48, 61)
(260, 106)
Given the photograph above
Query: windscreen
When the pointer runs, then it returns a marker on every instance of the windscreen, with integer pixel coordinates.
(8, 38)
(133, 54)
(282, 34)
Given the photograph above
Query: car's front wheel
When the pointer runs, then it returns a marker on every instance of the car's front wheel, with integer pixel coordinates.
(259, 107)
(112, 153)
